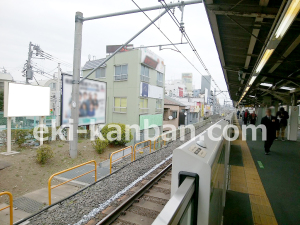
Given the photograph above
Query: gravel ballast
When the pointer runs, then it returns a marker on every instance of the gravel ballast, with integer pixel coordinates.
(73, 209)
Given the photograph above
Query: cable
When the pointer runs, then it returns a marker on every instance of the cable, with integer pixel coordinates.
(190, 42)
(168, 38)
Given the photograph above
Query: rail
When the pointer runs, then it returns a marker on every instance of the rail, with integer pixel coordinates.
(117, 153)
(112, 216)
(63, 171)
(141, 148)
(180, 207)
(10, 206)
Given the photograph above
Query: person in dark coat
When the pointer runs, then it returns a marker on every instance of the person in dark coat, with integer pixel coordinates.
(253, 118)
(238, 114)
(246, 117)
(271, 123)
(282, 116)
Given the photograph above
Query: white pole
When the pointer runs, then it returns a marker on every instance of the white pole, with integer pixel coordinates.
(8, 136)
(57, 96)
(42, 131)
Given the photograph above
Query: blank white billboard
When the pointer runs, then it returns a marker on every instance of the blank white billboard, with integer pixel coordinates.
(26, 100)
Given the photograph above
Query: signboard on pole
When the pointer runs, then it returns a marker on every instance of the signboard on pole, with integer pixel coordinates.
(26, 100)
(92, 101)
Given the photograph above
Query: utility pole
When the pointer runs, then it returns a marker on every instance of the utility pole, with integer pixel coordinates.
(29, 72)
(57, 96)
(75, 85)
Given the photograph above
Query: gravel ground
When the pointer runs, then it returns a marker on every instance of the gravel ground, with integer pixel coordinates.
(73, 209)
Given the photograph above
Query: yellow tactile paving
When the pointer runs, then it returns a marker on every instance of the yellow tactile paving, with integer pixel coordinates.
(246, 179)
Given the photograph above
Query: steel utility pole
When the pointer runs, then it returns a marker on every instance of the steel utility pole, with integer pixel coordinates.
(29, 72)
(75, 85)
(57, 96)
(77, 60)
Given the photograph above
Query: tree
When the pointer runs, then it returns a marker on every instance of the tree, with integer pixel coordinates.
(1, 101)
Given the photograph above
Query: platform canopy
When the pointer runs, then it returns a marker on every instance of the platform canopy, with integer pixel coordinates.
(258, 46)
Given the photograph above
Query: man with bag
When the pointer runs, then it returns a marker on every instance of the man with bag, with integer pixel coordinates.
(282, 116)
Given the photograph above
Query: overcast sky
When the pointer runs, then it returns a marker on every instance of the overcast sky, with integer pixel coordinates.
(50, 24)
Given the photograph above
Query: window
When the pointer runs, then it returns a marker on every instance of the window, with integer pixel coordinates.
(120, 105)
(52, 86)
(145, 74)
(174, 114)
(160, 79)
(159, 105)
(100, 73)
(121, 72)
(143, 105)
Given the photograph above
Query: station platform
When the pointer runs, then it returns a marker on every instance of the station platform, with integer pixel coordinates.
(263, 189)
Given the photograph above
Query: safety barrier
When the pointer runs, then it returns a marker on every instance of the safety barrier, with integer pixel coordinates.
(117, 155)
(10, 206)
(53, 175)
(142, 147)
(159, 141)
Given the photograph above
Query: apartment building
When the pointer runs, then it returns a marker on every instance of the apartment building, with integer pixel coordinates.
(135, 87)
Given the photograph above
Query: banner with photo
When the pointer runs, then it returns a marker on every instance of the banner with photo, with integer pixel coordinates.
(152, 60)
(92, 101)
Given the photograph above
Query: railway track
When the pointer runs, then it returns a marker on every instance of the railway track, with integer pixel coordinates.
(142, 206)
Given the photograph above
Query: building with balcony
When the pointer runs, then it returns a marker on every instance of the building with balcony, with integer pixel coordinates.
(135, 87)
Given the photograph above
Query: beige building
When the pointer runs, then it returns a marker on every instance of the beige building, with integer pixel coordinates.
(173, 113)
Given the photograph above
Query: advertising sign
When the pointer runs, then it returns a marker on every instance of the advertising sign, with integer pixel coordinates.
(112, 48)
(92, 101)
(206, 95)
(150, 59)
(202, 110)
(151, 91)
(180, 90)
(26, 100)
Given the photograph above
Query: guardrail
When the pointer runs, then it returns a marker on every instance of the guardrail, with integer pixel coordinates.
(63, 171)
(141, 148)
(10, 206)
(159, 141)
(119, 155)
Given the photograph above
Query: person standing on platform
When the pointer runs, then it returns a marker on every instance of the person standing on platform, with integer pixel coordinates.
(253, 118)
(238, 114)
(282, 116)
(271, 123)
(246, 117)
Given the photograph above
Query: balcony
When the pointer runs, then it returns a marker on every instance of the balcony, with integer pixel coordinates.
(145, 78)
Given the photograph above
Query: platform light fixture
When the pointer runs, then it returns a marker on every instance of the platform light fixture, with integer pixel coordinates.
(252, 80)
(288, 18)
(264, 59)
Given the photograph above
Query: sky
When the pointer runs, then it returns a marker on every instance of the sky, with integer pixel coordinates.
(50, 24)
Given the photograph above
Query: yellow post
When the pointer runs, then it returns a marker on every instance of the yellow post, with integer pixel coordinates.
(10, 206)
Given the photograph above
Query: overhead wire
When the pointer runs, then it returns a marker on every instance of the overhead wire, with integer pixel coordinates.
(168, 39)
(178, 24)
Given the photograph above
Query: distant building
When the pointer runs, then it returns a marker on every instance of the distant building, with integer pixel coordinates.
(135, 87)
(175, 88)
(187, 80)
(196, 93)
(206, 84)
(4, 76)
(173, 112)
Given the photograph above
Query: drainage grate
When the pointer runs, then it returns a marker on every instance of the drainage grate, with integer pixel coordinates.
(28, 205)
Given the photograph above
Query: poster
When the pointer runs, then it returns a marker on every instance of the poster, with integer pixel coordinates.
(180, 90)
(145, 89)
(92, 101)
(151, 60)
